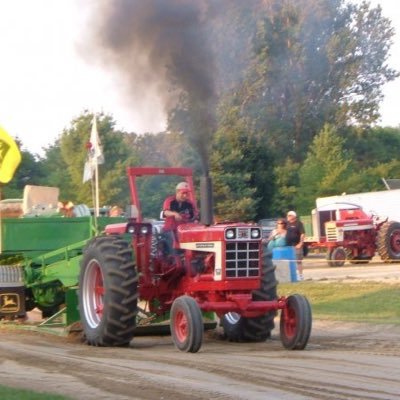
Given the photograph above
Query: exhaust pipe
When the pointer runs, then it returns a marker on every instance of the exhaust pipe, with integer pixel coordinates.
(206, 201)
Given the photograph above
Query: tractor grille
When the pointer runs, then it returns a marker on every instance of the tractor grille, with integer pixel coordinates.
(331, 233)
(242, 259)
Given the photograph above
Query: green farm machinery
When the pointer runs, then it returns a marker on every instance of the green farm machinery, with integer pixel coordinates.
(39, 262)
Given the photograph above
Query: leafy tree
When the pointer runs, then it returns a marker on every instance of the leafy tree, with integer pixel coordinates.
(29, 172)
(315, 62)
(325, 170)
(287, 183)
(374, 145)
(57, 173)
(113, 185)
(242, 172)
(166, 149)
(370, 179)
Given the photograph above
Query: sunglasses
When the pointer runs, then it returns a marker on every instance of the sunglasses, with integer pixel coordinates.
(281, 223)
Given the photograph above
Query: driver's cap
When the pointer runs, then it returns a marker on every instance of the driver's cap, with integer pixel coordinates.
(183, 187)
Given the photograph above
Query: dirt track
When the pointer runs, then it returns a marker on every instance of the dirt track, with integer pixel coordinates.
(342, 361)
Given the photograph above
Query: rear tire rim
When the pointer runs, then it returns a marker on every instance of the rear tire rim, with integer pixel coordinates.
(93, 294)
(232, 318)
(395, 241)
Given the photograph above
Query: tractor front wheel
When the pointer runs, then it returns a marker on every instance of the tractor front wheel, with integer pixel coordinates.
(336, 257)
(295, 323)
(108, 292)
(186, 323)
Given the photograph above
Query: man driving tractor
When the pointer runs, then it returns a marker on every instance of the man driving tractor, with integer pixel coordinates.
(177, 210)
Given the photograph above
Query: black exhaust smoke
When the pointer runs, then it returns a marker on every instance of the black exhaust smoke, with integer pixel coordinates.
(164, 51)
(206, 201)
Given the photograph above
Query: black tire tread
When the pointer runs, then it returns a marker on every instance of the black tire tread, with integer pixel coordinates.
(303, 311)
(256, 329)
(383, 242)
(195, 324)
(119, 320)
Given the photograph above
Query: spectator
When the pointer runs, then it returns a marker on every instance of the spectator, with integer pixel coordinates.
(115, 211)
(295, 237)
(277, 237)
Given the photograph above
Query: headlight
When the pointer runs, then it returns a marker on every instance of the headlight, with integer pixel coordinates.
(255, 233)
(131, 229)
(144, 230)
(230, 234)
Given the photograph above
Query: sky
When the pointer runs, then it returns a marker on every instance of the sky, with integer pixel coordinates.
(46, 80)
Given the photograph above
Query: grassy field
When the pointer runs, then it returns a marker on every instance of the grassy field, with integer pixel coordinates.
(7, 393)
(375, 302)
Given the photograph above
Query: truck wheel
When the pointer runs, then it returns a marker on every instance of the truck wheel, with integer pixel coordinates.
(388, 241)
(108, 292)
(186, 323)
(336, 257)
(295, 323)
(241, 329)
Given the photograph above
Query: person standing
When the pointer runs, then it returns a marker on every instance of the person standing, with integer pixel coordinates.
(295, 237)
(278, 235)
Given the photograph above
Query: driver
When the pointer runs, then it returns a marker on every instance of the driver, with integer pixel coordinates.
(177, 210)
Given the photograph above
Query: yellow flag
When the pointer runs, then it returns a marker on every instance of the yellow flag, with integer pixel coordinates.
(10, 157)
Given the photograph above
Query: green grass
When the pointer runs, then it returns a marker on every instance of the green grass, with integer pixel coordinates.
(375, 302)
(7, 393)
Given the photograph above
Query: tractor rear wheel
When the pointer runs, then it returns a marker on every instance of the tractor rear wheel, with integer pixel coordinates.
(241, 329)
(186, 323)
(336, 257)
(388, 242)
(295, 323)
(108, 292)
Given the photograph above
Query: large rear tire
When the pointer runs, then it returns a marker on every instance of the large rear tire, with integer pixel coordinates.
(295, 323)
(241, 329)
(388, 242)
(108, 292)
(186, 324)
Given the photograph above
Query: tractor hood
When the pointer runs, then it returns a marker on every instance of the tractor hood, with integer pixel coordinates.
(197, 232)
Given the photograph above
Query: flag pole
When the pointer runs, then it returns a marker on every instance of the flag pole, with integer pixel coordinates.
(91, 168)
(96, 179)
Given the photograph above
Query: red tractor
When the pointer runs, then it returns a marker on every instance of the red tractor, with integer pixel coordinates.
(347, 232)
(218, 268)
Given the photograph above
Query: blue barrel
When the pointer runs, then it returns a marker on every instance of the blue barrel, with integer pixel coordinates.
(285, 260)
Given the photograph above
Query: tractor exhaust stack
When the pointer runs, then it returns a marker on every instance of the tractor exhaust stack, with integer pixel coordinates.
(206, 200)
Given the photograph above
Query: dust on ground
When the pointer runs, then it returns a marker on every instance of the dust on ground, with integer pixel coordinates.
(341, 361)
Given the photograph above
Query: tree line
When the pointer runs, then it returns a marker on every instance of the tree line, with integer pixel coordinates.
(299, 87)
